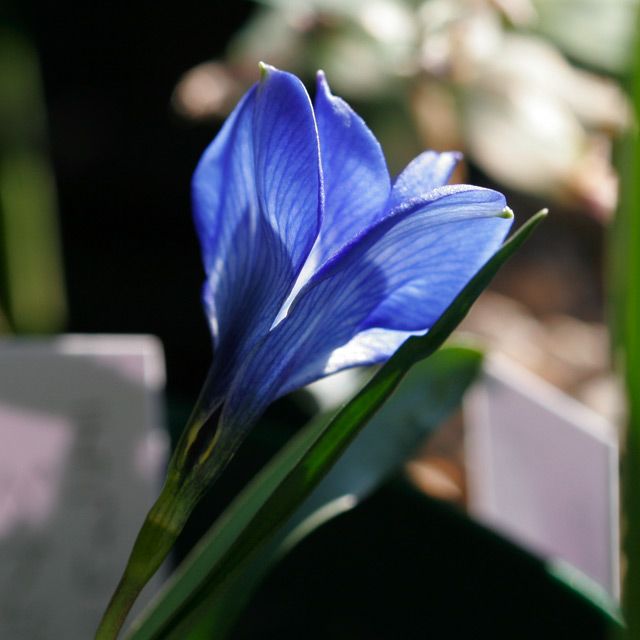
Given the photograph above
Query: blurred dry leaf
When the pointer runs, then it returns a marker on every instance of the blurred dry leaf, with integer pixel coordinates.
(206, 90)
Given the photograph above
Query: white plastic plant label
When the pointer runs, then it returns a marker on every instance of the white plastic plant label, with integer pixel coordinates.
(543, 470)
(81, 453)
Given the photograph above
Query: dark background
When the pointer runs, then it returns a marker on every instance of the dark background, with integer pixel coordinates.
(123, 161)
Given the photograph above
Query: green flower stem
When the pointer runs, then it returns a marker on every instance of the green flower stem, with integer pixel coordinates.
(199, 457)
(161, 527)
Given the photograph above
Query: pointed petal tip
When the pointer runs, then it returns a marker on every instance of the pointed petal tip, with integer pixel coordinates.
(264, 69)
(506, 213)
(321, 82)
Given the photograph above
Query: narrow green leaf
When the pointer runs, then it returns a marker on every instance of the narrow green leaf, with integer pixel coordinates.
(277, 491)
(626, 291)
(31, 279)
(587, 589)
(428, 394)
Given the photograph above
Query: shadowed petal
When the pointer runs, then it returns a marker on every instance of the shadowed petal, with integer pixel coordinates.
(400, 275)
(257, 199)
(426, 172)
(325, 316)
(223, 185)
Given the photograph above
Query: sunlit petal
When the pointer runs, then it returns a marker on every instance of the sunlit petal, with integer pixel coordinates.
(400, 276)
(356, 179)
(423, 174)
(431, 248)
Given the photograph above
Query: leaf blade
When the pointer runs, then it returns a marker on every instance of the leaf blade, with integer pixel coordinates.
(278, 489)
(427, 396)
(624, 258)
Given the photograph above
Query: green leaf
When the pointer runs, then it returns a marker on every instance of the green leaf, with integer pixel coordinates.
(429, 393)
(426, 397)
(31, 279)
(625, 286)
(278, 490)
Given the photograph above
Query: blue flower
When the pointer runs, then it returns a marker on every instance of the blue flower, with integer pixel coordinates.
(315, 260)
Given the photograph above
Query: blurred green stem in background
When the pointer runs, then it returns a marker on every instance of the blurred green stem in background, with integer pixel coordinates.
(625, 288)
(32, 297)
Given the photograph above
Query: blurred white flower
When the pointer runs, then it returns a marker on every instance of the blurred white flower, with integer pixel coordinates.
(476, 77)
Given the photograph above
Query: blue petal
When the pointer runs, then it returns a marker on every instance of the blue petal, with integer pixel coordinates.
(223, 185)
(257, 198)
(326, 315)
(399, 276)
(287, 163)
(356, 180)
(430, 247)
(370, 346)
(426, 172)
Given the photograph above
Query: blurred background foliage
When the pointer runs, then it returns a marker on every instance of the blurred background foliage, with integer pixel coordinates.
(479, 76)
(32, 292)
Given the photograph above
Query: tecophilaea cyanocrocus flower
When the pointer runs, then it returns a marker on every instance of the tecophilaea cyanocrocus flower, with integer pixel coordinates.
(315, 260)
